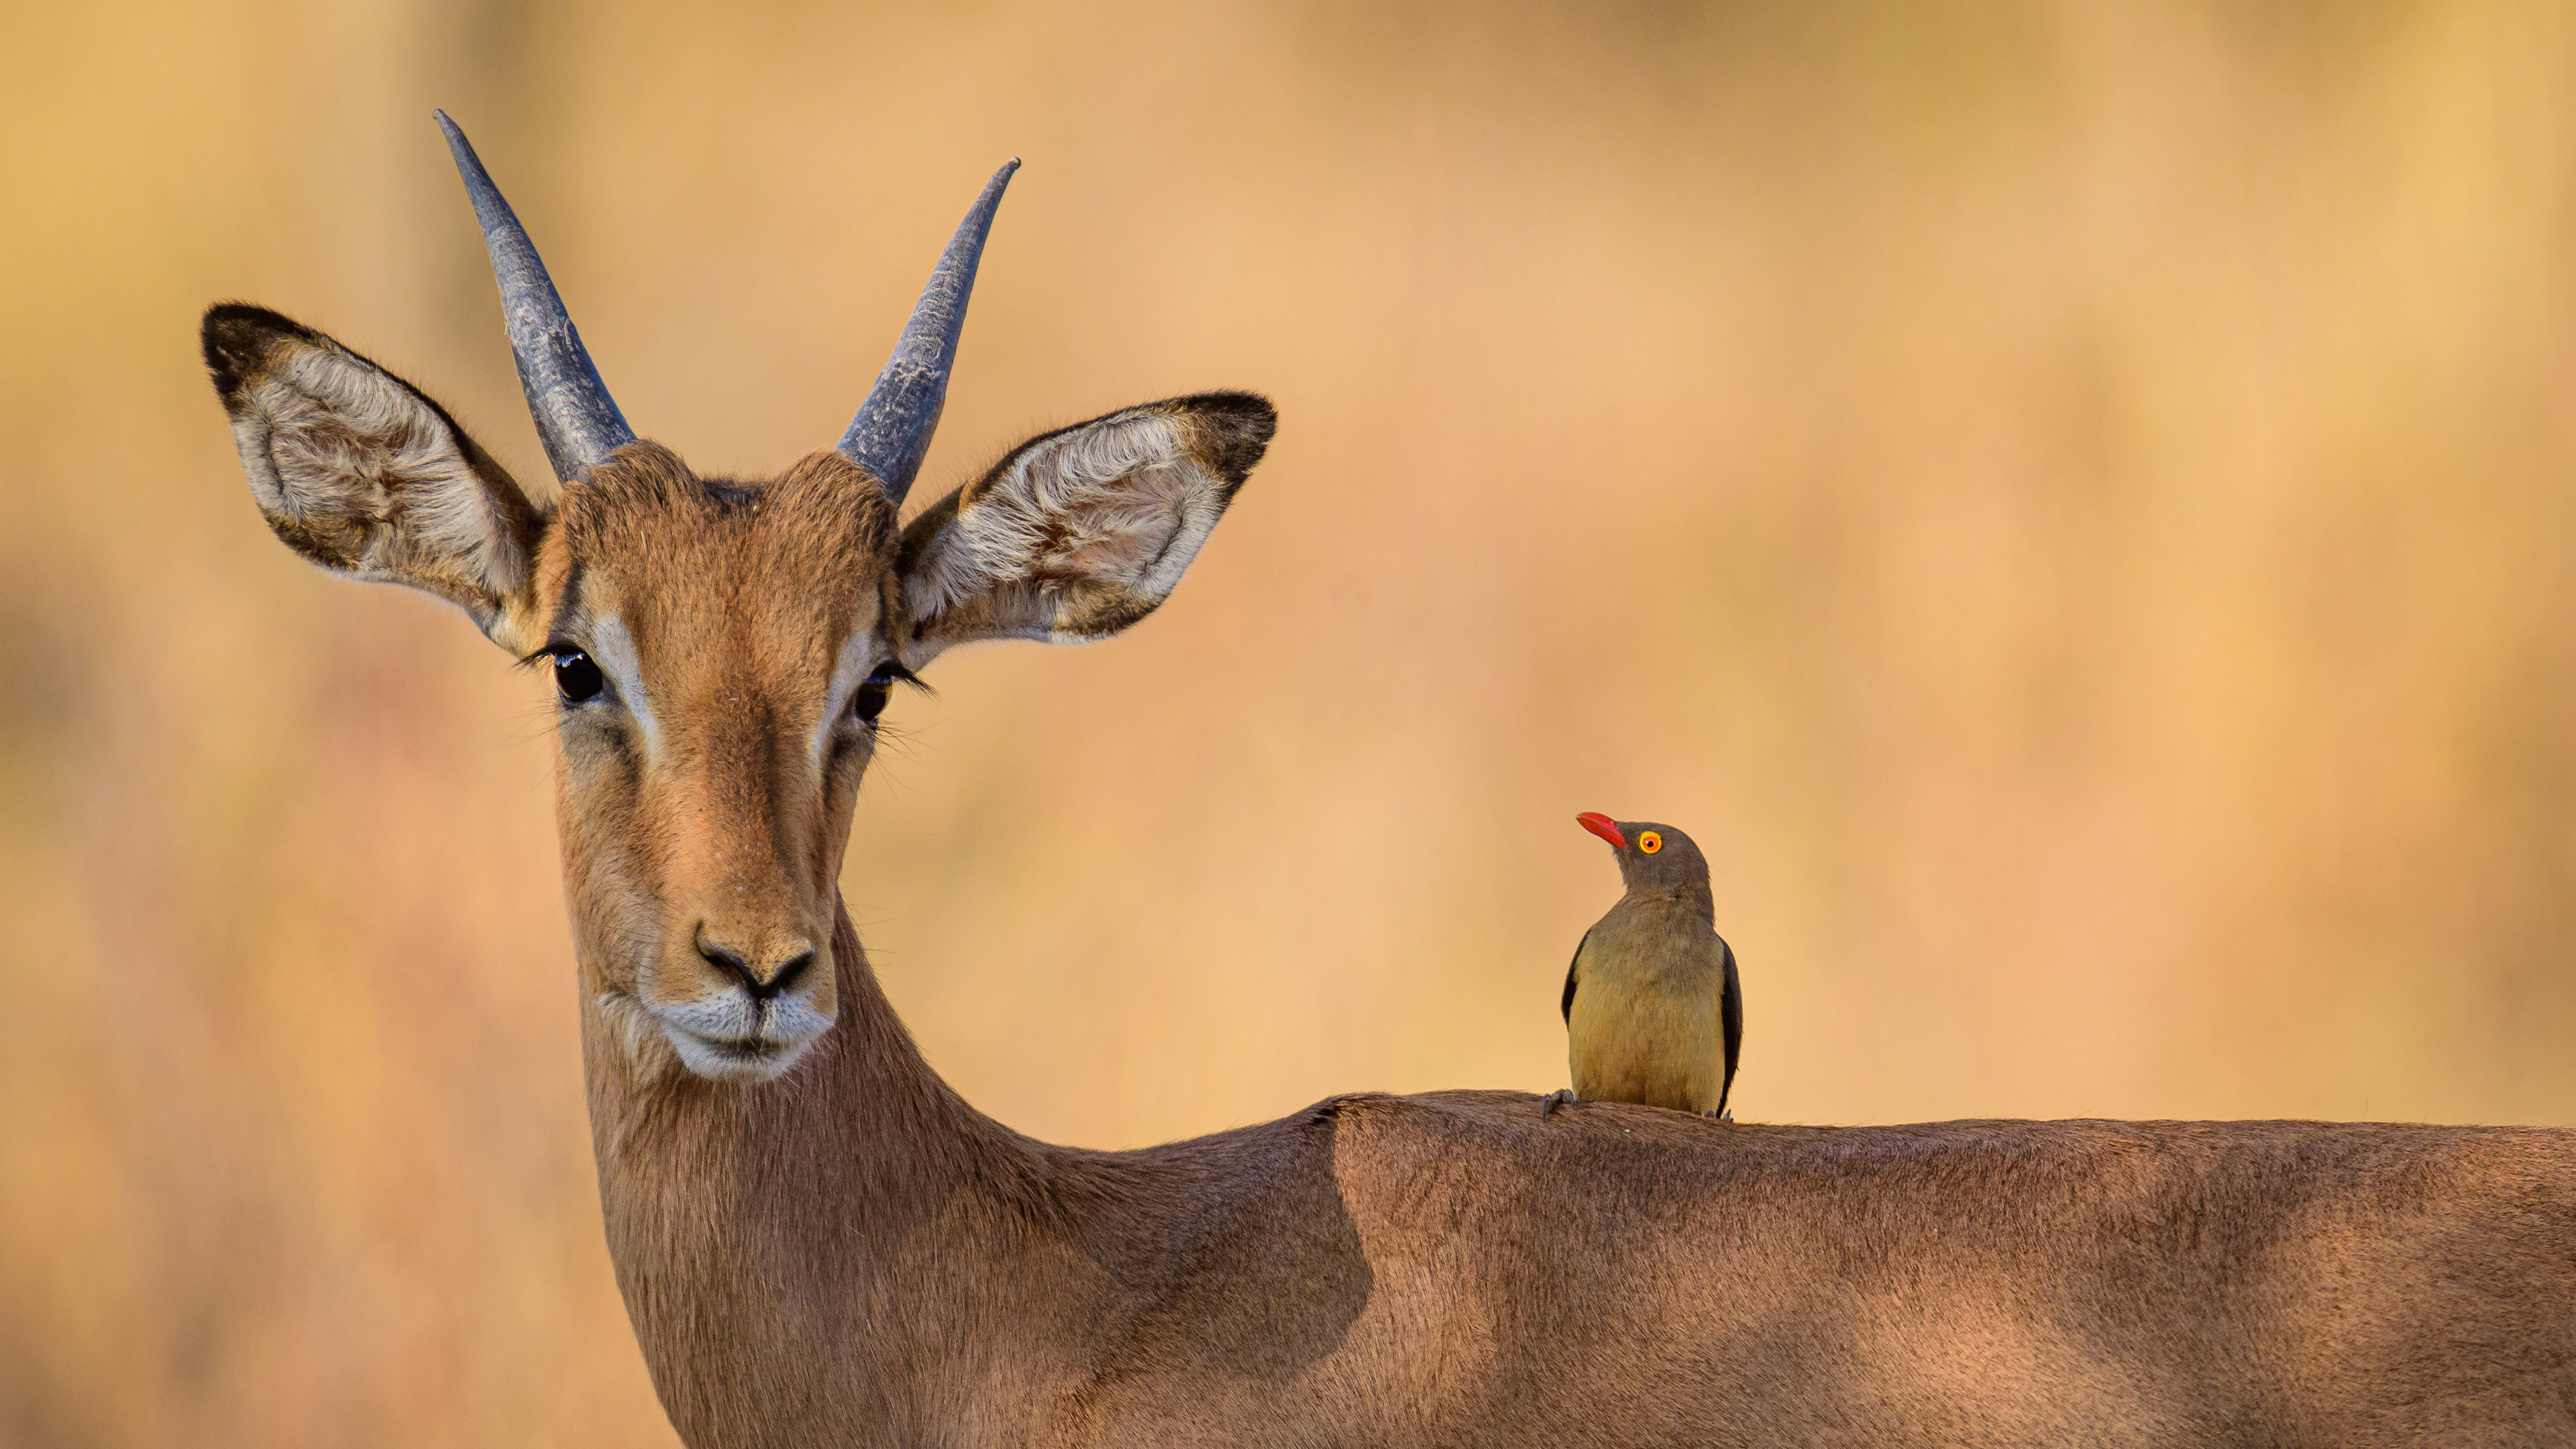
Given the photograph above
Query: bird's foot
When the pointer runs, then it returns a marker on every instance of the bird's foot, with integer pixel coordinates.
(1726, 1116)
(1556, 1099)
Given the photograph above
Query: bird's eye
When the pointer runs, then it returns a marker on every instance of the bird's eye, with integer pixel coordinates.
(869, 699)
(576, 678)
(1650, 841)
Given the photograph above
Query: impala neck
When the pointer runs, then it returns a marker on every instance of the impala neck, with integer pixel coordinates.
(769, 1238)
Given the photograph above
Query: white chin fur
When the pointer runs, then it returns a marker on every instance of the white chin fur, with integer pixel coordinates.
(724, 1036)
(729, 1038)
(756, 1060)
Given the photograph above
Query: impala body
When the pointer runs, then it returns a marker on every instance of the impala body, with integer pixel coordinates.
(819, 1243)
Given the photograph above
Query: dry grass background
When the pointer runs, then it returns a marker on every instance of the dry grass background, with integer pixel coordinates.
(2071, 506)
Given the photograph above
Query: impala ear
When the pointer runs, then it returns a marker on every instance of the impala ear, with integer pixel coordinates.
(362, 473)
(1081, 532)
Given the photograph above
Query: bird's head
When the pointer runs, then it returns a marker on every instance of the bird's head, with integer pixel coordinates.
(1651, 857)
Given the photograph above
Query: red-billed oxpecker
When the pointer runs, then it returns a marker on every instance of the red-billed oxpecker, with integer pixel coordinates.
(1653, 1013)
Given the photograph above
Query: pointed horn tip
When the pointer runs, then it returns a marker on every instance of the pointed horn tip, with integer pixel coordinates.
(462, 152)
(994, 187)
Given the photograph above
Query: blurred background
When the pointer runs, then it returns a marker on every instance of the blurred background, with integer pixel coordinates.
(2074, 508)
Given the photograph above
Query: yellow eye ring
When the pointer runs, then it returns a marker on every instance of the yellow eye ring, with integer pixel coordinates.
(1649, 841)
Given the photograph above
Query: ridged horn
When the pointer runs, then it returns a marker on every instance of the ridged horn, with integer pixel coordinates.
(576, 418)
(891, 434)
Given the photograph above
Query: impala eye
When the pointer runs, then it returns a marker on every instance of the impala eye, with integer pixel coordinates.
(576, 678)
(869, 699)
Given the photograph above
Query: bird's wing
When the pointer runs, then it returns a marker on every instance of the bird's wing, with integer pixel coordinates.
(1730, 1011)
(1566, 1007)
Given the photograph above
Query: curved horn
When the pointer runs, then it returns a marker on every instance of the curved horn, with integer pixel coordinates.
(892, 431)
(576, 419)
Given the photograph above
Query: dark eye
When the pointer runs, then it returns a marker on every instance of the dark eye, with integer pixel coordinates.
(869, 699)
(576, 678)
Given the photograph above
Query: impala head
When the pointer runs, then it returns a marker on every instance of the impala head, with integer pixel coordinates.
(720, 648)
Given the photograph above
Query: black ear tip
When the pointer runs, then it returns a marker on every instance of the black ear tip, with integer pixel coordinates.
(1249, 407)
(238, 340)
(1234, 430)
(247, 314)
(238, 329)
(235, 339)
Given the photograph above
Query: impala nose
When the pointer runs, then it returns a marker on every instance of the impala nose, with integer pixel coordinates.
(761, 974)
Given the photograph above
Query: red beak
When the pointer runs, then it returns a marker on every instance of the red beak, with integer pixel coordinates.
(1603, 826)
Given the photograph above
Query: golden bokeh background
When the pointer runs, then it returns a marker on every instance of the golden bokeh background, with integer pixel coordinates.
(2073, 507)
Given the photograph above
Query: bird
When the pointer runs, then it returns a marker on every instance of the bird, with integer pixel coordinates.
(1653, 1011)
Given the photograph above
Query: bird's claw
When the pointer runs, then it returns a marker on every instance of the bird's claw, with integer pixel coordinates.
(1726, 1116)
(1556, 1099)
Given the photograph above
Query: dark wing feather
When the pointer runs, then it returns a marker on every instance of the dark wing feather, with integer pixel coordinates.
(1565, 1008)
(1730, 1010)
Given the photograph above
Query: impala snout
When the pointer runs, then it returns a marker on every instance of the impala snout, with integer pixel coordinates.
(741, 1002)
(739, 974)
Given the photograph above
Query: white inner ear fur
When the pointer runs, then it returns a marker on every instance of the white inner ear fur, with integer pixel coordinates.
(1116, 502)
(327, 434)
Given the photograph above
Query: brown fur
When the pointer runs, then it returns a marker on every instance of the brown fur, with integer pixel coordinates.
(733, 834)
(1454, 1269)
(849, 1254)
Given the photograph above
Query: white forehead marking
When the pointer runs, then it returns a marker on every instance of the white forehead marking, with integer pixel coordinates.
(613, 650)
(858, 658)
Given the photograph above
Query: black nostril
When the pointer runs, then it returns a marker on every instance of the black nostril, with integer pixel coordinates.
(731, 965)
(740, 970)
(787, 974)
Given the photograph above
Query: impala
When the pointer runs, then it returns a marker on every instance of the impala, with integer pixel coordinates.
(819, 1242)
